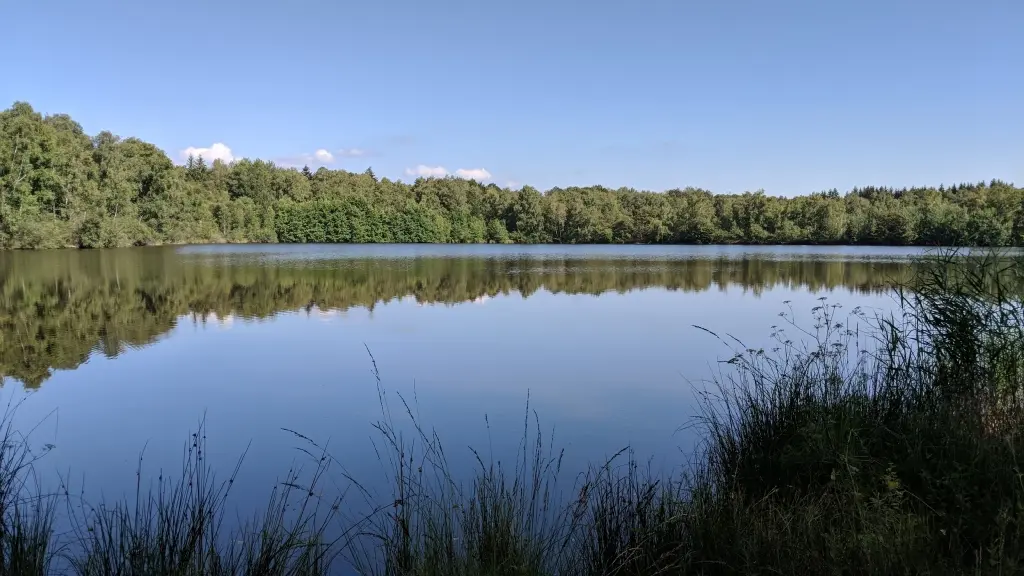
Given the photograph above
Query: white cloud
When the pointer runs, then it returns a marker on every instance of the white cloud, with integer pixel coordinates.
(512, 184)
(427, 171)
(480, 174)
(323, 156)
(217, 151)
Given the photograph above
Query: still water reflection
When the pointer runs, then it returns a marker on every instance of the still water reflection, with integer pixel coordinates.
(120, 349)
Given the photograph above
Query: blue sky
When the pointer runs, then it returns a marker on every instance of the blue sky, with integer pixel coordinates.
(792, 96)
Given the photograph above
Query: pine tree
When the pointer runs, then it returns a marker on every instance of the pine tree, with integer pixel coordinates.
(195, 168)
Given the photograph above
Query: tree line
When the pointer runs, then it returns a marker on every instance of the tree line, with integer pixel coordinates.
(59, 187)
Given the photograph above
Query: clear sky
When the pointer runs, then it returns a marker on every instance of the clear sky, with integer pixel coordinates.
(792, 96)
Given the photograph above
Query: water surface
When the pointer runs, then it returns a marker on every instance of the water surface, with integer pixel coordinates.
(117, 350)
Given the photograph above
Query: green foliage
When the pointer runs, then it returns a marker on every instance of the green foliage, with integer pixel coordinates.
(58, 188)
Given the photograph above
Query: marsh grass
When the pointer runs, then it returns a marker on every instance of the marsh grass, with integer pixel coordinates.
(175, 527)
(887, 451)
(26, 515)
(506, 520)
(178, 526)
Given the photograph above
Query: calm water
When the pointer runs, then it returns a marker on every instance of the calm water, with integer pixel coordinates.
(119, 350)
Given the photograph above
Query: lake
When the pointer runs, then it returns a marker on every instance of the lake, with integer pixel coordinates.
(112, 352)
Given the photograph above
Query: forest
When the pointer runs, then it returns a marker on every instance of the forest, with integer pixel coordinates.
(60, 187)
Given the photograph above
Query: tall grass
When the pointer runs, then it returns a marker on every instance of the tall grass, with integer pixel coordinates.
(173, 528)
(504, 521)
(177, 527)
(26, 515)
(855, 444)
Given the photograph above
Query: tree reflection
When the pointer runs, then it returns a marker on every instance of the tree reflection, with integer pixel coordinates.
(57, 308)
